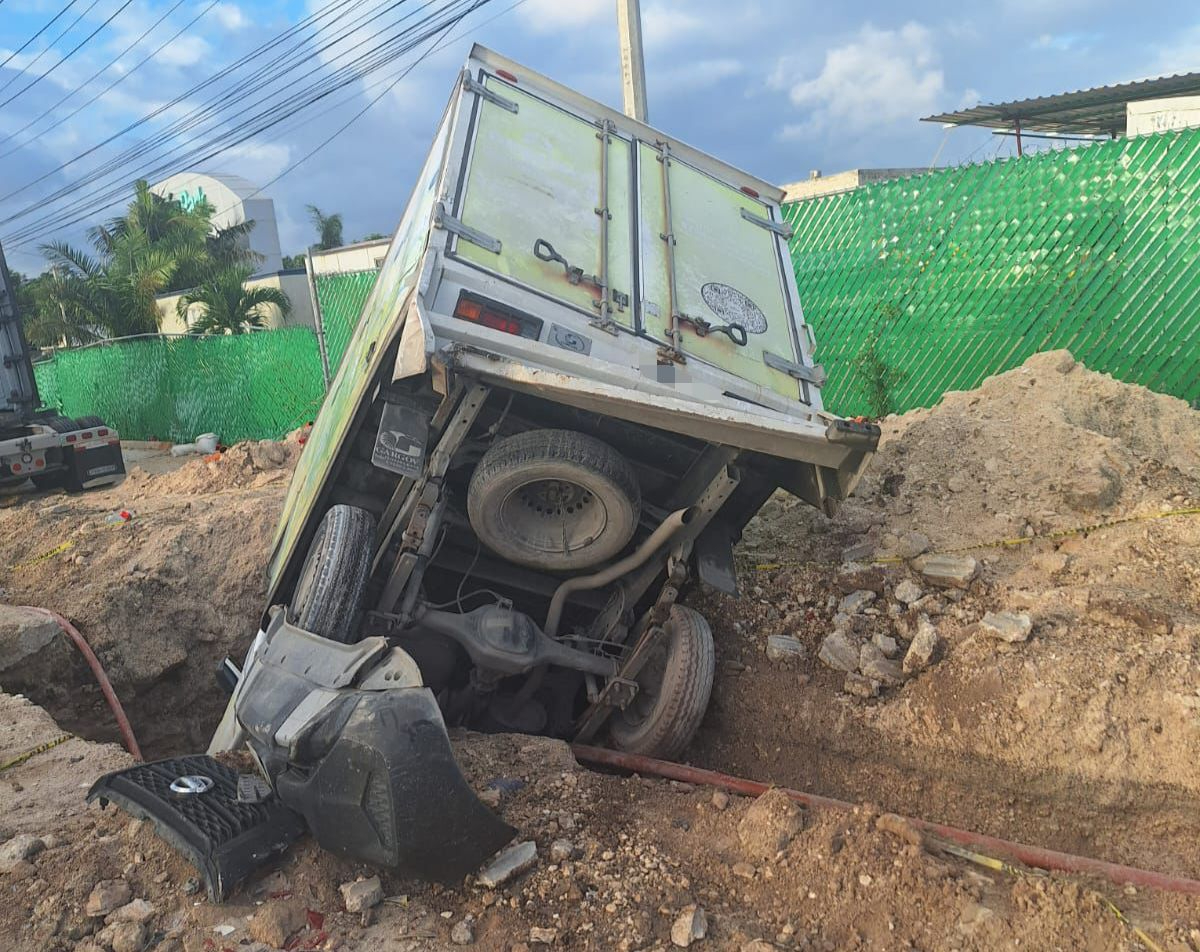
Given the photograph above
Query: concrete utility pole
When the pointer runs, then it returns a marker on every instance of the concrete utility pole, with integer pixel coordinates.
(633, 64)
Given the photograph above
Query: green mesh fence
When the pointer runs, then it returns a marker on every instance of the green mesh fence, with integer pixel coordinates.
(240, 386)
(928, 284)
(340, 298)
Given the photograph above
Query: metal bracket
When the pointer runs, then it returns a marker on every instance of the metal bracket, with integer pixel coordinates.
(814, 375)
(443, 219)
(781, 228)
(480, 90)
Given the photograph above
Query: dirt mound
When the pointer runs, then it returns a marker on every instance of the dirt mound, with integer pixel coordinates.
(1093, 702)
(248, 465)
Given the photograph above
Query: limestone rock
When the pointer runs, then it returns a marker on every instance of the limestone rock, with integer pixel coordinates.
(509, 864)
(924, 648)
(784, 648)
(362, 894)
(690, 926)
(1007, 626)
(107, 896)
(839, 652)
(948, 571)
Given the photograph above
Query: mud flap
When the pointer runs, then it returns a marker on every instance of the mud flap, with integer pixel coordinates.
(225, 839)
(387, 789)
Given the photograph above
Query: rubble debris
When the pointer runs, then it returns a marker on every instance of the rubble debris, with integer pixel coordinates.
(948, 571)
(720, 800)
(907, 591)
(839, 652)
(924, 647)
(540, 935)
(873, 664)
(860, 686)
(276, 922)
(561, 851)
(21, 847)
(690, 926)
(107, 896)
(136, 910)
(900, 826)
(361, 894)
(855, 602)
(785, 648)
(770, 823)
(886, 644)
(463, 932)
(511, 863)
(1007, 626)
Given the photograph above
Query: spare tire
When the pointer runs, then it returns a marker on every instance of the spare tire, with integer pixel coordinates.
(554, 500)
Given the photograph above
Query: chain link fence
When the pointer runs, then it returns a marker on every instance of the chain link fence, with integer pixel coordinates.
(932, 283)
(251, 386)
(340, 300)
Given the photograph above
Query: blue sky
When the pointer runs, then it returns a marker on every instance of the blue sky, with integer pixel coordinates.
(778, 87)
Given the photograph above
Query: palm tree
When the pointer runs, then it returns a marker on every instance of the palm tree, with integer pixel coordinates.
(329, 228)
(229, 306)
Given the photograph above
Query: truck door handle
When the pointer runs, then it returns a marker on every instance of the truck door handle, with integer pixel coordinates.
(544, 251)
(735, 332)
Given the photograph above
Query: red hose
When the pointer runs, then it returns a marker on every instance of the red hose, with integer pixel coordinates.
(1035, 856)
(106, 687)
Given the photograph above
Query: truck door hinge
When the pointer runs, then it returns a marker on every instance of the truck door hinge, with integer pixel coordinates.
(480, 90)
(443, 219)
(781, 228)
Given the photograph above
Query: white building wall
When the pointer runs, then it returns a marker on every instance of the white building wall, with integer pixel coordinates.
(1151, 116)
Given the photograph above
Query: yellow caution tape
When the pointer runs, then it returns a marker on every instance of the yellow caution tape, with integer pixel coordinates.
(1001, 543)
(40, 749)
(57, 550)
(990, 862)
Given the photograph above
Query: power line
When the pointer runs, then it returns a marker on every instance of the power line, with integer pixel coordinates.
(82, 43)
(220, 74)
(270, 117)
(49, 46)
(23, 46)
(111, 63)
(380, 54)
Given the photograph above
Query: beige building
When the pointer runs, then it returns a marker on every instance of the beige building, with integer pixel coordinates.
(362, 256)
(292, 283)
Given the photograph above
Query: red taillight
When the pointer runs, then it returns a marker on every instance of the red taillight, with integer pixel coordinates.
(487, 314)
(749, 191)
(71, 437)
(39, 463)
(16, 467)
(86, 435)
(103, 431)
(505, 74)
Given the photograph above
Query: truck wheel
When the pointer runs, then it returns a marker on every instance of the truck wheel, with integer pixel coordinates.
(328, 598)
(89, 422)
(673, 689)
(554, 500)
(58, 423)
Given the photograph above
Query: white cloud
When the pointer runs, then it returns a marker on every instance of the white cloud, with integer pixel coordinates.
(184, 51)
(230, 16)
(548, 16)
(1181, 55)
(879, 77)
(663, 25)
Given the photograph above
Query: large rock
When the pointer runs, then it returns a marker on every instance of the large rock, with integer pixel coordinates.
(107, 896)
(948, 571)
(276, 922)
(924, 648)
(770, 823)
(33, 649)
(362, 894)
(875, 665)
(1007, 626)
(855, 602)
(21, 847)
(690, 926)
(784, 648)
(839, 651)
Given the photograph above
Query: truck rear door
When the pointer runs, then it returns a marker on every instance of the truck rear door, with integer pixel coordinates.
(536, 182)
(728, 270)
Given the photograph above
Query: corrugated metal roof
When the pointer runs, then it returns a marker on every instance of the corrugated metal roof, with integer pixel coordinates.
(1098, 111)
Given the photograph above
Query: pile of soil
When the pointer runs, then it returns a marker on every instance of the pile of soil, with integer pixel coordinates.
(1085, 736)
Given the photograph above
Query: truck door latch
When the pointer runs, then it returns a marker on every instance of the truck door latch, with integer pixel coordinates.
(735, 332)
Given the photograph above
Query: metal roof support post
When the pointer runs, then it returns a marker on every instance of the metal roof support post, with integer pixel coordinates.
(1017, 129)
(318, 325)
